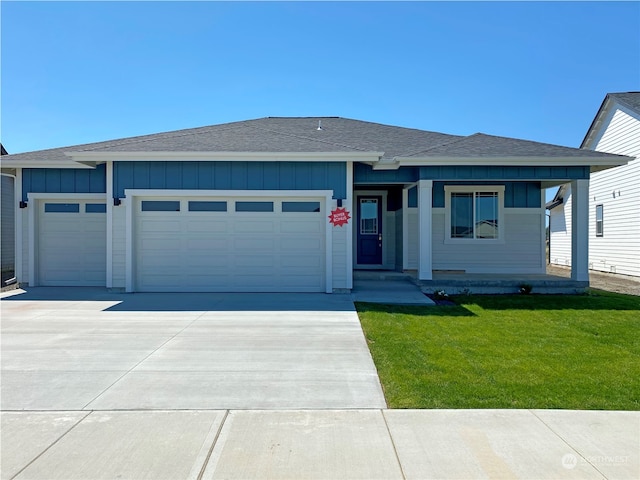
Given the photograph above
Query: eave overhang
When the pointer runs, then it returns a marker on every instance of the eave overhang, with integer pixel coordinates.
(99, 157)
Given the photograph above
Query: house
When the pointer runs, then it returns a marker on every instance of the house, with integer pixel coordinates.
(614, 194)
(290, 205)
(7, 223)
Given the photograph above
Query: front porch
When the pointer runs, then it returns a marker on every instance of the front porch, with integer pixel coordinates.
(455, 283)
(417, 228)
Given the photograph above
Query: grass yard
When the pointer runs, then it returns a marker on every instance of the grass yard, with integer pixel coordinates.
(511, 351)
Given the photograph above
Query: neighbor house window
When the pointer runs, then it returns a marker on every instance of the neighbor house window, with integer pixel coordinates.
(474, 213)
(599, 221)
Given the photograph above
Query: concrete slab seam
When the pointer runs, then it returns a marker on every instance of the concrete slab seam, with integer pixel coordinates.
(137, 364)
(212, 445)
(50, 446)
(393, 443)
(209, 468)
(567, 443)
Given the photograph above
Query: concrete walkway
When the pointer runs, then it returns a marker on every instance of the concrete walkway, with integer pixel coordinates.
(393, 292)
(321, 444)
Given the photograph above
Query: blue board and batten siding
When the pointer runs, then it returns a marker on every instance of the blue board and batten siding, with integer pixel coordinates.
(365, 174)
(516, 194)
(231, 176)
(63, 180)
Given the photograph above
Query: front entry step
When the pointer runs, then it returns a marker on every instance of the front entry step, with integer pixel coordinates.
(380, 275)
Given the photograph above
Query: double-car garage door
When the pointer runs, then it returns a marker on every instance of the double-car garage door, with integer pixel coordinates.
(229, 244)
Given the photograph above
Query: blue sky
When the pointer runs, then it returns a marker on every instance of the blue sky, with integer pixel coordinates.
(80, 72)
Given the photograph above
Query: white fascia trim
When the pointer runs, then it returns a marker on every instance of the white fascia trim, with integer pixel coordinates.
(228, 156)
(227, 193)
(66, 196)
(23, 164)
(511, 161)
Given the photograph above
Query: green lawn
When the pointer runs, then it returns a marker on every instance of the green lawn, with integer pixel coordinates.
(511, 351)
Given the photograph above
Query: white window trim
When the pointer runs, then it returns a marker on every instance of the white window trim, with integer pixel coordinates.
(599, 234)
(449, 189)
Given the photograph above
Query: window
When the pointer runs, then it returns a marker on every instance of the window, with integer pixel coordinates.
(474, 213)
(95, 208)
(300, 206)
(254, 206)
(369, 216)
(161, 206)
(207, 206)
(62, 207)
(599, 221)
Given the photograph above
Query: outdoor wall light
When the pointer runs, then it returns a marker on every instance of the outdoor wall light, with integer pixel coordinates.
(339, 202)
(116, 202)
(23, 204)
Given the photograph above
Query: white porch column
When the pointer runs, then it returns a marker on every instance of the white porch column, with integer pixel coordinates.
(425, 194)
(580, 230)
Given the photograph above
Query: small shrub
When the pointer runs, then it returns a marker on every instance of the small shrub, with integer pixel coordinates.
(440, 295)
(525, 288)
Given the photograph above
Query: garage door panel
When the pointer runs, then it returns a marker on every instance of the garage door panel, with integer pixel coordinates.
(196, 263)
(230, 251)
(254, 263)
(301, 226)
(253, 244)
(151, 244)
(208, 244)
(302, 244)
(301, 263)
(205, 225)
(254, 226)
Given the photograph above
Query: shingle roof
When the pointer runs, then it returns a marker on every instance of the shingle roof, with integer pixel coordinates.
(481, 145)
(628, 99)
(301, 134)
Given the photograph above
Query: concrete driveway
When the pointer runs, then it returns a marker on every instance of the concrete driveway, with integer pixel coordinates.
(88, 349)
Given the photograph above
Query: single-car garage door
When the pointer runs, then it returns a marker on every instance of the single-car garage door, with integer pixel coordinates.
(72, 243)
(230, 245)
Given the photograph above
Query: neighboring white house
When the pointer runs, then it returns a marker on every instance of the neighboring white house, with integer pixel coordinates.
(262, 206)
(614, 194)
(7, 224)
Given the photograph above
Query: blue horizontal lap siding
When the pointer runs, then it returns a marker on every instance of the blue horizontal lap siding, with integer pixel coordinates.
(230, 176)
(63, 180)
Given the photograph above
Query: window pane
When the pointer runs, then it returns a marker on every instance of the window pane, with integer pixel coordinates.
(207, 206)
(62, 207)
(95, 208)
(369, 216)
(462, 215)
(300, 206)
(599, 220)
(486, 215)
(254, 206)
(161, 206)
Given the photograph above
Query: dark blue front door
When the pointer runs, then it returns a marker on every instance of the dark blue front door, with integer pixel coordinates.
(369, 236)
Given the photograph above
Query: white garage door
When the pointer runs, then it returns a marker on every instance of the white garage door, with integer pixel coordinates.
(72, 243)
(230, 245)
